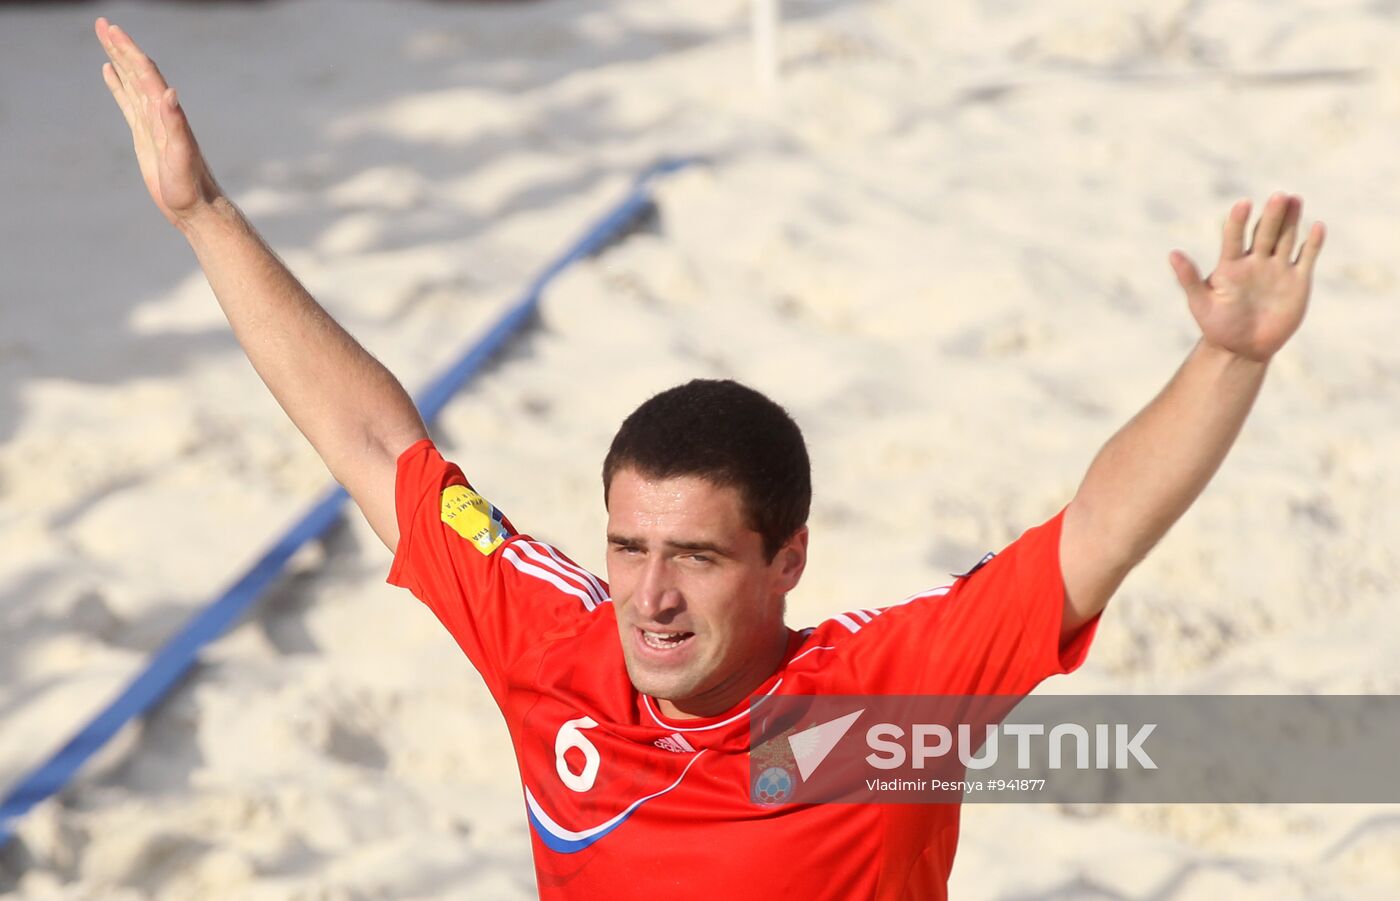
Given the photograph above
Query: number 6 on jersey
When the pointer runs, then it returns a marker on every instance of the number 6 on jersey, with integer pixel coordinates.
(571, 736)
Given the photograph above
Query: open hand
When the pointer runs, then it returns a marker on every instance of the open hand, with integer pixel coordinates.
(1255, 299)
(171, 164)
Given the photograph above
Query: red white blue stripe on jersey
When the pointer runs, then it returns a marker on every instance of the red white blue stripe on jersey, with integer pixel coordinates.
(568, 841)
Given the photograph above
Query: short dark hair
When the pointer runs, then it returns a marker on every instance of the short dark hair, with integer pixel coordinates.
(730, 435)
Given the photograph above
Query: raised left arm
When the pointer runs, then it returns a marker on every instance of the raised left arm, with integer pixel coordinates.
(1151, 471)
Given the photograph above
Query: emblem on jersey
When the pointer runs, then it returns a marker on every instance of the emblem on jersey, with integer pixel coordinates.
(773, 786)
(472, 516)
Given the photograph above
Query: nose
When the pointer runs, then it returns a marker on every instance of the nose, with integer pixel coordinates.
(658, 595)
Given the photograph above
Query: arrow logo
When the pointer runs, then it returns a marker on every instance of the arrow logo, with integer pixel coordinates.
(812, 745)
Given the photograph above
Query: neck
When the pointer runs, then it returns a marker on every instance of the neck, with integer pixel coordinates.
(732, 690)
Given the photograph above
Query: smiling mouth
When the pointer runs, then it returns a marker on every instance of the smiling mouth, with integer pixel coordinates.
(664, 641)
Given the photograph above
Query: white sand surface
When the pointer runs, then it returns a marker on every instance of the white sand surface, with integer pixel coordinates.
(942, 244)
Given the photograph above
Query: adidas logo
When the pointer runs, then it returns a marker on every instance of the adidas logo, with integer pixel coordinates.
(674, 742)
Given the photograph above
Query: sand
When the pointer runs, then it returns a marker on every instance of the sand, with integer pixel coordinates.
(941, 242)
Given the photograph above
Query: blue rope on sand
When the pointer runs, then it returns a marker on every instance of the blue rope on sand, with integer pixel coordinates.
(172, 661)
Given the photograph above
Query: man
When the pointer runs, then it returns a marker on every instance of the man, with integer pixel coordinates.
(627, 702)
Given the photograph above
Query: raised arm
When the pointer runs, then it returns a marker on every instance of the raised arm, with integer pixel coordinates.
(352, 410)
(1151, 471)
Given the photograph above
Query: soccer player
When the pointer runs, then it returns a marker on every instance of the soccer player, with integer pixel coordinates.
(627, 701)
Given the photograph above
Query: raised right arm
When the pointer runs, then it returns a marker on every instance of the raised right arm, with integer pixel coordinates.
(353, 411)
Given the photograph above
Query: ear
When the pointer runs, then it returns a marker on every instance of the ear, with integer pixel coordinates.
(790, 561)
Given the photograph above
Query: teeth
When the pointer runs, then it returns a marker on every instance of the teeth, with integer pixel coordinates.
(662, 640)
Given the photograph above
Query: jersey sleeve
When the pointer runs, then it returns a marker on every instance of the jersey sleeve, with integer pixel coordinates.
(995, 630)
(496, 591)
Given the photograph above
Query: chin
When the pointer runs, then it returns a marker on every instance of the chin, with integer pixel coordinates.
(671, 687)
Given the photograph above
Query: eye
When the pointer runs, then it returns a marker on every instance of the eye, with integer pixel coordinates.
(701, 558)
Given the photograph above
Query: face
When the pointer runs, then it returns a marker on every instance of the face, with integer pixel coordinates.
(699, 607)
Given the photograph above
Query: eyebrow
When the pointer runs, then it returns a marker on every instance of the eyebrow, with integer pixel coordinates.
(710, 546)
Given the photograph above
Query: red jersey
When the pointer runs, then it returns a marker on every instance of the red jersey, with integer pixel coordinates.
(624, 802)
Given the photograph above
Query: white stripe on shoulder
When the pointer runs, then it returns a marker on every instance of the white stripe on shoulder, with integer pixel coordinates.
(540, 553)
(846, 621)
(853, 620)
(599, 589)
(932, 593)
(509, 554)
